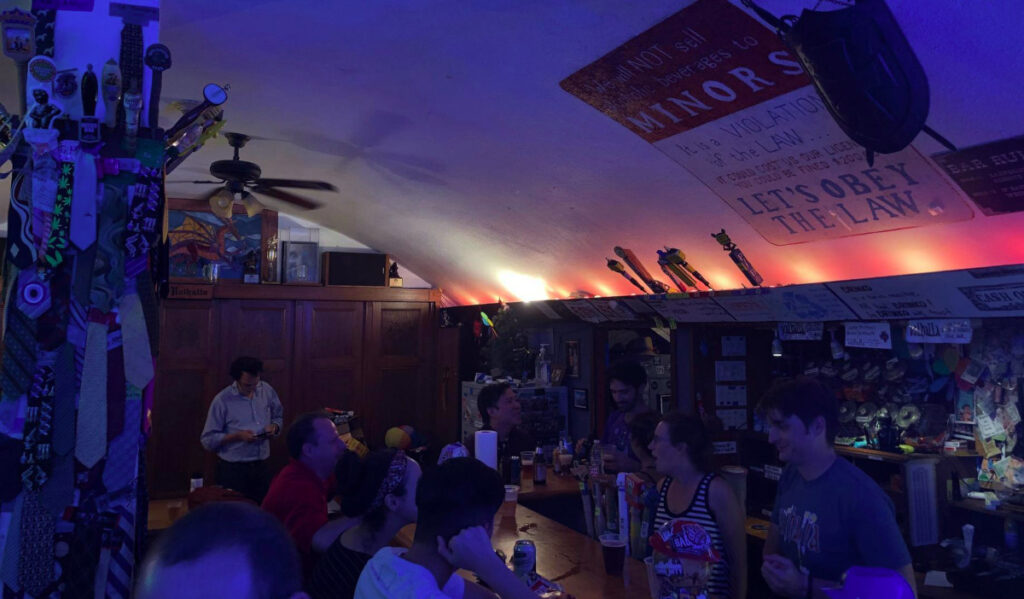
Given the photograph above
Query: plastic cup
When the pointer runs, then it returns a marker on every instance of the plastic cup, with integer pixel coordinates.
(565, 460)
(508, 507)
(614, 551)
(527, 458)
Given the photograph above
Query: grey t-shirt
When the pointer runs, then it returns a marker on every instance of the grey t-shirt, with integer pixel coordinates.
(838, 520)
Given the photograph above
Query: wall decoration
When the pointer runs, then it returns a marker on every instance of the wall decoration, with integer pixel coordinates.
(720, 94)
(200, 239)
(301, 262)
(579, 399)
(557, 375)
(572, 358)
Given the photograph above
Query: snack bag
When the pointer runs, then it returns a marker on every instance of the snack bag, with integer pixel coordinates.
(683, 556)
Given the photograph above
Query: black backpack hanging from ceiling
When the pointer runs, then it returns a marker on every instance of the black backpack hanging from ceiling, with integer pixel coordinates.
(864, 70)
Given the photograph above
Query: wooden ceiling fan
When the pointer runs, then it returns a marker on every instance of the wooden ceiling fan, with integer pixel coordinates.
(240, 179)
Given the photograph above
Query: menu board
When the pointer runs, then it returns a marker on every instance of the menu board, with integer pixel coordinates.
(688, 309)
(995, 291)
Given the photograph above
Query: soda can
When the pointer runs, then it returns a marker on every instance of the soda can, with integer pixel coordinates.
(524, 557)
(515, 470)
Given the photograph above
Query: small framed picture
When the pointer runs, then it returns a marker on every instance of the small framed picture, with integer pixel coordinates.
(557, 375)
(301, 262)
(572, 358)
(579, 399)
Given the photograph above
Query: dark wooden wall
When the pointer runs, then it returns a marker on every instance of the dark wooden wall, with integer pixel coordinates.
(372, 350)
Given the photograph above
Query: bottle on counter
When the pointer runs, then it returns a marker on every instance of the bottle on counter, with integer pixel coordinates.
(596, 460)
(540, 473)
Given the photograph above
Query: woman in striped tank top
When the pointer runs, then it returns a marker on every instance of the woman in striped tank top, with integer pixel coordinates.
(682, 453)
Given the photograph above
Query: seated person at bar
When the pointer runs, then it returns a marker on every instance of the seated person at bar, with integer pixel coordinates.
(239, 424)
(641, 433)
(501, 412)
(828, 514)
(626, 383)
(691, 490)
(379, 493)
(456, 503)
(228, 549)
(298, 494)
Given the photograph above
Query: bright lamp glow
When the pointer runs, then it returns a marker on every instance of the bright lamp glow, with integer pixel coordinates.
(524, 287)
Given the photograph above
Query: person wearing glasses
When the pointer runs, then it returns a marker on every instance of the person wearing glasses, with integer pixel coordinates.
(241, 420)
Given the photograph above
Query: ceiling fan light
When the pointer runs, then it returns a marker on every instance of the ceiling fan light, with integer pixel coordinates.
(220, 203)
(252, 205)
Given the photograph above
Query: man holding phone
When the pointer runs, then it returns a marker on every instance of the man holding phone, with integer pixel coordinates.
(242, 419)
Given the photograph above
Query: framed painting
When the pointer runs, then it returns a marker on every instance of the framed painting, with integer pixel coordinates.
(300, 262)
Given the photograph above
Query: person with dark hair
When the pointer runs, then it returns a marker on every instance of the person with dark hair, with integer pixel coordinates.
(500, 411)
(641, 433)
(456, 503)
(828, 514)
(228, 549)
(298, 494)
(692, 491)
(241, 420)
(379, 494)
(626, 383)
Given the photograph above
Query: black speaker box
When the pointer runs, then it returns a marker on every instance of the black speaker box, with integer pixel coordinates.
(354, 268)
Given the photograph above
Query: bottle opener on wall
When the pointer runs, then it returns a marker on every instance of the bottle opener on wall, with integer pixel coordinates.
(616, 266)
(631, 260)
(738, 258)
(674, 256)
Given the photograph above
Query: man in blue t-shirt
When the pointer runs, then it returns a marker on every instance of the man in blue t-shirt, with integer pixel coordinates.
(828, 514)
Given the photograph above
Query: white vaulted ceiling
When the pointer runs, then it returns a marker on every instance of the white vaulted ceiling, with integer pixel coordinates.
(455, 149)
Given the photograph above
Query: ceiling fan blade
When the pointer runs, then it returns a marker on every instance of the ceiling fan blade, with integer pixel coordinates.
(296, 184)
(284, 196)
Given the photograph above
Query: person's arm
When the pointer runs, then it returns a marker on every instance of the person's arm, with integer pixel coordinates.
(214, 434)
(616, 460)
(326, 534)
(471, 549)
(784, 578)
(732, 523)
(474, 591)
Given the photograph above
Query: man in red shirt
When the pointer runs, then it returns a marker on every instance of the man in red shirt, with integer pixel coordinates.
(298, 494)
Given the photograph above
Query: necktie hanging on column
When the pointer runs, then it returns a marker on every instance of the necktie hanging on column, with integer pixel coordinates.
(91, 430)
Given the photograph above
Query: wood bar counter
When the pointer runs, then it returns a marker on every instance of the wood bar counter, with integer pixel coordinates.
(563, 556)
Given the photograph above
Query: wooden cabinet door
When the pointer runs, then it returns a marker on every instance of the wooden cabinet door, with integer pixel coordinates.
(263, 329)
(399, 377)
(329, 356)
(186, 381)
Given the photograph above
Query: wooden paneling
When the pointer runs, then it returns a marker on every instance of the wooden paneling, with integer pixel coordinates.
(329, 356)
(375, 357)
(398, 368)
(185, 384)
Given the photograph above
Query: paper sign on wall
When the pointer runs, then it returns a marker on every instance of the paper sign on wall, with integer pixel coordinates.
(720, 94)
(733, 420)
(801, 331)
(954, 330)
(874, 335)
(730, 370)
(584, 311)
(724, 447)
(689, 309)
(730, 396)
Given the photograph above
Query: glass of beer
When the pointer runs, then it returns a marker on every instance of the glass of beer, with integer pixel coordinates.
(613, 550)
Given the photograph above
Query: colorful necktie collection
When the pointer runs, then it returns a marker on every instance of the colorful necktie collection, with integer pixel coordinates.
(80, 330)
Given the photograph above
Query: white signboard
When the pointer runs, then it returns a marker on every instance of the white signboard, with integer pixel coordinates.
(954, 330)
(688, 309)
(874, 335)
(801, 331)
